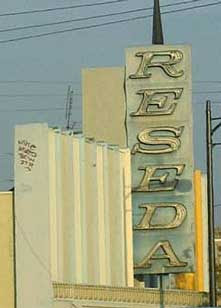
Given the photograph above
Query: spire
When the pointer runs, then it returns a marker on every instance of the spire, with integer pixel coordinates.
(157, 37)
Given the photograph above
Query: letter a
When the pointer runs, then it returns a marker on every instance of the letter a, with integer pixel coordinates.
(169, 254)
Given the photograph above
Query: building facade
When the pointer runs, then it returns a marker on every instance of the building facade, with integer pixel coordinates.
(73, 213)
(92, 214)
(7, 251)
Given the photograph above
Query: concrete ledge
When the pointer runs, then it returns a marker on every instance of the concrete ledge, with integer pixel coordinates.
(128, 295)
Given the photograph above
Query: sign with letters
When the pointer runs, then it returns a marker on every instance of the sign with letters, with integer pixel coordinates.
(159, 132)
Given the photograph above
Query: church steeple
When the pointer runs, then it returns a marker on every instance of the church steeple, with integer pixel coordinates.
(157, 37)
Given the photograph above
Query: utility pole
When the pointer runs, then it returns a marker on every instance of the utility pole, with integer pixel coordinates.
(210, 193)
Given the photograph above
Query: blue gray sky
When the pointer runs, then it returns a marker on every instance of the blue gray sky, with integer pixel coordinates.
(36, 72)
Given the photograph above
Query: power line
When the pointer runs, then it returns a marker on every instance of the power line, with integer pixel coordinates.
(35, 95)
(91, 17)
(36, 110)
(178, 3)
(70, 20)
(193, 7)
(79, 94)
(78, 82)
(203, 103)
(40, 81)
(31, 95)
(207, 81)
(61, 8)
(103, 24)
(6, 154)
(2, 102)
(40, 109)
(206, 92)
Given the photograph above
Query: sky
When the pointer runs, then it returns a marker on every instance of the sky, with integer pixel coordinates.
(36, 72)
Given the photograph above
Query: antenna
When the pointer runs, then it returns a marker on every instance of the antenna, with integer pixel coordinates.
(157, 36)
(67, 102)
(69, 105)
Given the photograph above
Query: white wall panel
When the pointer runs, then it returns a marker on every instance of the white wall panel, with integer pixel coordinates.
(33, 255)
(101, 214)
(78, 255)
(67, 206)
(91, 203)
(116, 218)
(82, 189)
(52, 207)
(126, 178)
(59, 206)
(107, 213)
(83, 222)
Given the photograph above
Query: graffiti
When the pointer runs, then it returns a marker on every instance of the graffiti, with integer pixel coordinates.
(27, 154)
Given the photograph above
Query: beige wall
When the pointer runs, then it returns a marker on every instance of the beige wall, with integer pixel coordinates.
(33, 254)
(104, 104)
(6, 251)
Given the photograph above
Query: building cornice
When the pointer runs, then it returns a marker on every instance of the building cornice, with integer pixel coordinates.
(128, 295)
